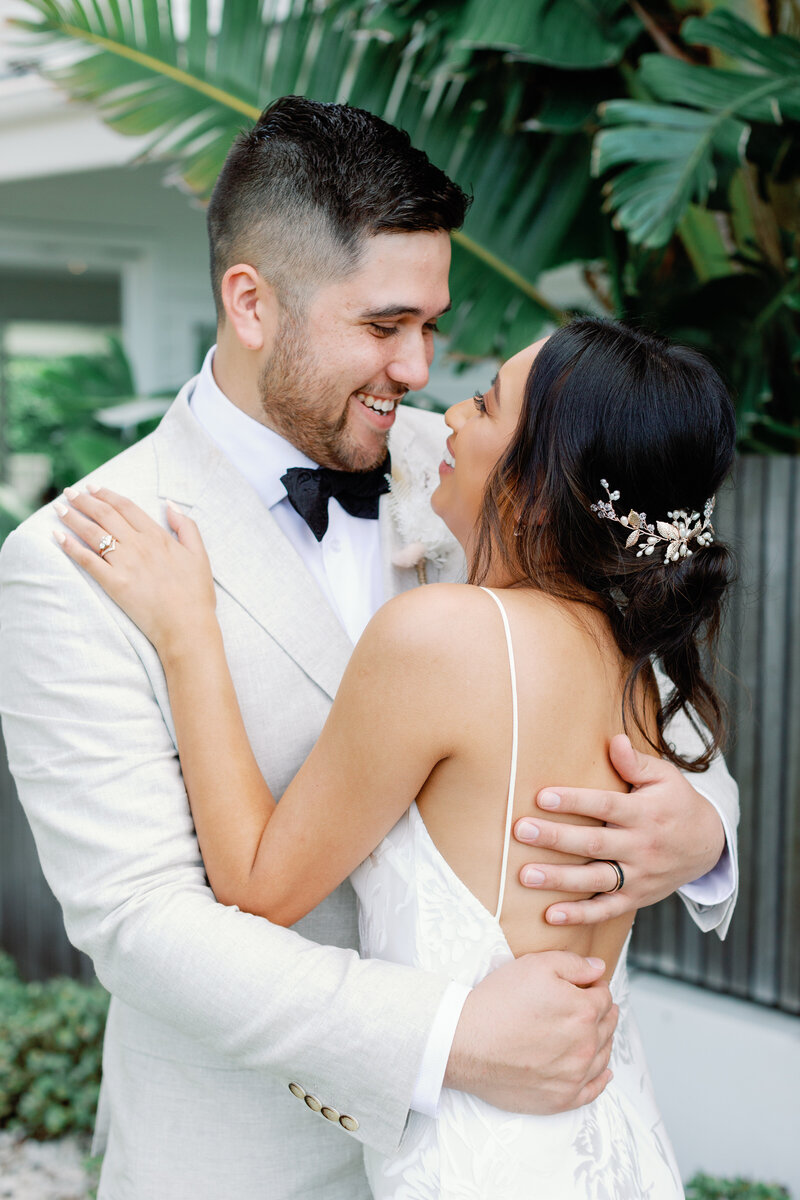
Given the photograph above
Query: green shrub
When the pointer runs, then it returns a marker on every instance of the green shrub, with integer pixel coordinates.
(709, 1187)
(51, 1038)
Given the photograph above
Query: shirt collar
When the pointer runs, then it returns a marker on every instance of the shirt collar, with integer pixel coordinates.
(257, 452)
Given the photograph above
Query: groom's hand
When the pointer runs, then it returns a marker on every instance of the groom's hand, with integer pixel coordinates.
(535, 1035)
(663, 834)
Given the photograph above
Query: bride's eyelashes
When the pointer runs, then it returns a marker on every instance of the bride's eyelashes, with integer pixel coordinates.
(480, 403)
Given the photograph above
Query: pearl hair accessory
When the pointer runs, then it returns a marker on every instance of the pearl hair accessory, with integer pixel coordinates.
(681, 529)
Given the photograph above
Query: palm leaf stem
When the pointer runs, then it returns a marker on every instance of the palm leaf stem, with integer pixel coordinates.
(507, 272)
(158, 66)
(662, 40)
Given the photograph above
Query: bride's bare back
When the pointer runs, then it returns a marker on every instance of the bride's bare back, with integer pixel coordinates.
(570, 676)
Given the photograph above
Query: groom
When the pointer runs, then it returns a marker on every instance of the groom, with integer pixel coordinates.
(244, 1060)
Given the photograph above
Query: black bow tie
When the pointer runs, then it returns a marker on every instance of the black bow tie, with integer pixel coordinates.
(358, 492)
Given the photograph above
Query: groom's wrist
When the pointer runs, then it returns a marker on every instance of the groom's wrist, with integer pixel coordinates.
(428, 1087)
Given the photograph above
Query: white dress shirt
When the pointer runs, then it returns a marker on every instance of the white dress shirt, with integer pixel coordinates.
(348, 569)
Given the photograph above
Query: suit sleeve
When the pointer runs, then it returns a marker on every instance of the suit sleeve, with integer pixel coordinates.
(98, 776)
(711, 899)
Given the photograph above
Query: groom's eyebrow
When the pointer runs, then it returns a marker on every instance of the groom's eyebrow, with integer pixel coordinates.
(398, 310)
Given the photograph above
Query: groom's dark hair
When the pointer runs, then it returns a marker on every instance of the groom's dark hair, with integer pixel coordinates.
(301, 191)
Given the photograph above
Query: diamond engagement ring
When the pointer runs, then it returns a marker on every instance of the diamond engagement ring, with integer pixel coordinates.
(108, 544)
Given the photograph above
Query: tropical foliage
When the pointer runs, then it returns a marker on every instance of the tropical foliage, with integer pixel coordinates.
(657, 147)
(710, 1187)
(51, 1037)
(52, 406)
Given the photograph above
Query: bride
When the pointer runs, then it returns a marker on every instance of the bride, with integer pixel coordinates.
(581, 487)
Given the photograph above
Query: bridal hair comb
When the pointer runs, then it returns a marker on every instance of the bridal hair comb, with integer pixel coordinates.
(682, 528)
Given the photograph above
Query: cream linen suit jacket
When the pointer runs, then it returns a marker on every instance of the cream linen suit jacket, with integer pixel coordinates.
(214, 1012)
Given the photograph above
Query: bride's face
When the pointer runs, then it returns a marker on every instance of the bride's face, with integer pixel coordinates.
(482, 428)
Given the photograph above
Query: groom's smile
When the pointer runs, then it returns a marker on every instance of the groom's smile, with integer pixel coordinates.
(339, 370)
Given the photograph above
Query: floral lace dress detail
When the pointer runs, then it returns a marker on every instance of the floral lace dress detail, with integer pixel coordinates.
(414, 909)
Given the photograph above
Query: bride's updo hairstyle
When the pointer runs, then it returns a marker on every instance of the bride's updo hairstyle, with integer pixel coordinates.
(606, 402)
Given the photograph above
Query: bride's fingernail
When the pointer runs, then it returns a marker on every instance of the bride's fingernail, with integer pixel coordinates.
(549, 800)
(59, 536)
(60, 508)
(71, 492)
(533, 876)
(557, 918)
(92, 488)
(528, 831)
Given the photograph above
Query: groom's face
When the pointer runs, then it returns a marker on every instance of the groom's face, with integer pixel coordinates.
(340, 368)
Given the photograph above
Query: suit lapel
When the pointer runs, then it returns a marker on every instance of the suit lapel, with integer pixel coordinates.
(250, 557)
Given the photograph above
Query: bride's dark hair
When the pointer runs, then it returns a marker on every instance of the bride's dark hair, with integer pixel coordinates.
(605, 401)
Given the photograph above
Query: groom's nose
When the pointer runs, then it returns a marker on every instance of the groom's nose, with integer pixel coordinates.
(411, 364)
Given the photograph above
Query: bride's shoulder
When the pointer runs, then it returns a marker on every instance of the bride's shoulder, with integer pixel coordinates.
(436, 622)
(435, 603)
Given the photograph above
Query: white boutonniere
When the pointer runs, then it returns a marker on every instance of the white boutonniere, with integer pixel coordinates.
(425, 537)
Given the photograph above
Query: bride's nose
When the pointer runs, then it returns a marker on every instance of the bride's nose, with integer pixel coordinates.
(457, 414)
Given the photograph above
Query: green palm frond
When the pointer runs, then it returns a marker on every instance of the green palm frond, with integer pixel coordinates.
(672, 150)
(544, 32)
(192, 93)
(676, 148)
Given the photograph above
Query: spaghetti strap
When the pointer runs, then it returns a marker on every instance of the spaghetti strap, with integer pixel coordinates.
(512, 778)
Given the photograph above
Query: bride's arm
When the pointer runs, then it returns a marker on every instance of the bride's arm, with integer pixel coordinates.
(386, 731)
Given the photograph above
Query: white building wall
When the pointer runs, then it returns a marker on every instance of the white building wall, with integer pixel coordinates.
(122, 219)
(726, 1077)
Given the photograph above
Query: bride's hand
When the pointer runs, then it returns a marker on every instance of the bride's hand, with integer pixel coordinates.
(163, 583)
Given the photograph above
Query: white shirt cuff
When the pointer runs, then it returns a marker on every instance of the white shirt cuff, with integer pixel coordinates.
(718, 884)
(428, 1087)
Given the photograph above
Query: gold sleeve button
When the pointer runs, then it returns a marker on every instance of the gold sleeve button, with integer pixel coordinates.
(348, 1123)
(330, 1114)
(313, 1103)
(298, 1091)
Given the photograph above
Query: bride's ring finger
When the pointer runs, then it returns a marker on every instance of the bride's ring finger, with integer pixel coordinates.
(107, 545)
(95, 536)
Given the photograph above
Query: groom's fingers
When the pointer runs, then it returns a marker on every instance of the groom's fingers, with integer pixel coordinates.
(595, 876)
(603, 804)
(592, 1090)
(589, 912)
(585, 841)
(583, 972)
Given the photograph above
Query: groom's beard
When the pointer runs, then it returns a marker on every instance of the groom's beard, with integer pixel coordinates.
(307, 409)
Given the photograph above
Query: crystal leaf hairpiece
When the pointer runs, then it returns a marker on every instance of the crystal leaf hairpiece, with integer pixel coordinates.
(682, 528)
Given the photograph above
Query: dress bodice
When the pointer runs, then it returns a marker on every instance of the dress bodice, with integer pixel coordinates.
(415, 910)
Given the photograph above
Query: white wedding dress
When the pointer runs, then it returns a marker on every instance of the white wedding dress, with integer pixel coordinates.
(415, 910)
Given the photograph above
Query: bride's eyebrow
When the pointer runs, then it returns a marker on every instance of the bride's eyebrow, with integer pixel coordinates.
(494, 386)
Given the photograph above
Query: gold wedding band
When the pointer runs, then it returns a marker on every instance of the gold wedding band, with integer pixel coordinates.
(612, 862)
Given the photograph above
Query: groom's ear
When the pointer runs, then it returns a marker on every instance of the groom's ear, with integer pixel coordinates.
(251, 307)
